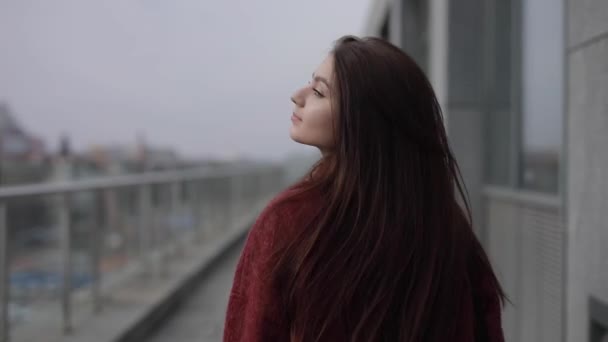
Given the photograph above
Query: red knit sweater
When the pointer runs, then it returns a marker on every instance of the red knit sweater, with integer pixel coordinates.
(254, 313)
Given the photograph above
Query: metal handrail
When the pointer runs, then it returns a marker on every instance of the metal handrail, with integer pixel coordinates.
(142, 182)
(523, 196)
(113, 182)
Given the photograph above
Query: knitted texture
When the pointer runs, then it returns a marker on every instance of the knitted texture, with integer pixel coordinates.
(255, 313)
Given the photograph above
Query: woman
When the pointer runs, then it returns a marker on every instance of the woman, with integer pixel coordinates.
(372, 245)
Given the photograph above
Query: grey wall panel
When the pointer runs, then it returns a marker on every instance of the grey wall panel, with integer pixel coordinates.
(503, 242)
(587, 178)
(525, 241)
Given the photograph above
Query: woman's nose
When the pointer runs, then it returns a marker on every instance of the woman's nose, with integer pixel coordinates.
(297, 98)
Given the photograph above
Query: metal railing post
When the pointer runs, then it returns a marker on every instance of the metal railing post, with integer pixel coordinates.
(142, 226)
(158, 230)
(214, 214)
(205, 208)
(4, 276)
(175, 207)
(104, 197)
(159, 216)
(63, 208)
(196, 207)
(163, 219)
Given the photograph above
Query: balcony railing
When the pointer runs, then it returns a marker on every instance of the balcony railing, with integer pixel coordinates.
(100, 232)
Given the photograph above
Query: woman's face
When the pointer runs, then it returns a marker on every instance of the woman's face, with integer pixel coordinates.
(312, 119)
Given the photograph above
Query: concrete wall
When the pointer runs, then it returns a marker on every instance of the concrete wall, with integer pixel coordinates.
(378, 11)
(524, 244)
(587, 149)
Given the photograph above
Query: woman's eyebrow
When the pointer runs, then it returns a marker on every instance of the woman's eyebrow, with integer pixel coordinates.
(321, 79)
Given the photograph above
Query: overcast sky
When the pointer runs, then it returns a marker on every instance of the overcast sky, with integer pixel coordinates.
(210, 78)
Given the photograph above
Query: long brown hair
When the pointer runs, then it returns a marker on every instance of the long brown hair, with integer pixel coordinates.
(388, 255)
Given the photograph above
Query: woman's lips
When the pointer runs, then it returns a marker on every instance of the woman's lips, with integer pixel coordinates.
(295, 118)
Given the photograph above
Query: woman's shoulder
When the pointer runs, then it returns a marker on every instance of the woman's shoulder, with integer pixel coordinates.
(291, 201)
(285, 211)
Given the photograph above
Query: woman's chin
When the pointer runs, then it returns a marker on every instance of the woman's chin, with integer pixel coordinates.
(293, 134)
(295, 139)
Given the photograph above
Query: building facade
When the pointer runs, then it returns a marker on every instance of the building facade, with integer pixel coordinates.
(524, 88)
(16, 144)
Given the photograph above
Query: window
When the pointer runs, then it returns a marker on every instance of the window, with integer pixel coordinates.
(523, 91)
(542, 82)
(501, 91)
(415, 33)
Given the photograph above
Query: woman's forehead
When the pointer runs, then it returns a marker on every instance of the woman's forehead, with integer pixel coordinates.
(326, 68)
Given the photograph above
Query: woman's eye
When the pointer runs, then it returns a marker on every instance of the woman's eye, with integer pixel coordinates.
(318, 93)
